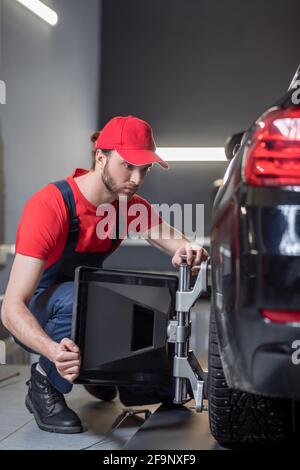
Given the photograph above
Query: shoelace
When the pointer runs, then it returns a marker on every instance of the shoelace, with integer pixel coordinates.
(54, 395)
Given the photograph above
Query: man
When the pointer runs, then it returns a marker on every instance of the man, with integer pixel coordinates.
(57, 232)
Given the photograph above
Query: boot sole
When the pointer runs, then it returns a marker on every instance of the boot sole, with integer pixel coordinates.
(47, 427)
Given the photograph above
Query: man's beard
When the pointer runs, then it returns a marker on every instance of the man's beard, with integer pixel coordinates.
(110, 183)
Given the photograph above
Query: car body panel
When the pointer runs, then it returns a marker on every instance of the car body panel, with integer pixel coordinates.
(255, 240)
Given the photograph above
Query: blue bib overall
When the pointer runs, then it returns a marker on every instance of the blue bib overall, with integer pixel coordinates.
(52, 302)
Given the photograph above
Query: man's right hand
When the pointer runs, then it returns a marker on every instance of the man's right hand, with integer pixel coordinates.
(67, 359)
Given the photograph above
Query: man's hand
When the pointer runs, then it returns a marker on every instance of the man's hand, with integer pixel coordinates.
(195, 255)
(67, 359)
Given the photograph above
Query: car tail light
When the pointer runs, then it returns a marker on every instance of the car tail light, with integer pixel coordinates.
(273, 157)
(282, 316)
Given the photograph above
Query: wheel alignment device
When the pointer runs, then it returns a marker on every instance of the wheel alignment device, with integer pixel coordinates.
(186, 366)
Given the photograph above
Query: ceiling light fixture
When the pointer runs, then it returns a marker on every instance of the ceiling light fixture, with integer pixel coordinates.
(192, 154)
(41, 10)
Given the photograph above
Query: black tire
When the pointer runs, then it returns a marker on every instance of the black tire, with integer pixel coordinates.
(102, 392)
(240, 419)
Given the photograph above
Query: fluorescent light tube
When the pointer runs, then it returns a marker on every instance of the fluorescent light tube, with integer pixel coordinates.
(41, 10)
(192, 154)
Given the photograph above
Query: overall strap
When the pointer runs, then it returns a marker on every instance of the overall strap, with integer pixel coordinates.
(68, 197)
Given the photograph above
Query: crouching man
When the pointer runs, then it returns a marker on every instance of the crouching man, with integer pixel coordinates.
(57, 233)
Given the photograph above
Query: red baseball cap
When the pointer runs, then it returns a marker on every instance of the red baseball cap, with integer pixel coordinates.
(132, 138)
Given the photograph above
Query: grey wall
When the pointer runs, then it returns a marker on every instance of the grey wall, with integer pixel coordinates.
(52, 78)
(198, 70)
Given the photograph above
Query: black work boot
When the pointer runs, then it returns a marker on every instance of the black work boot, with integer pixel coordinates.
(49, 407)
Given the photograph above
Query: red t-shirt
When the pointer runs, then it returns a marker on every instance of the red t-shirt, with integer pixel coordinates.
(44, 224)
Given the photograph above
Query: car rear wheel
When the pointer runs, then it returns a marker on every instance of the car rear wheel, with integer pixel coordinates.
(102, 392)
(240, 419)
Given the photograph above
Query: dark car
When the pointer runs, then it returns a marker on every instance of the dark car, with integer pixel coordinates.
(254, 376)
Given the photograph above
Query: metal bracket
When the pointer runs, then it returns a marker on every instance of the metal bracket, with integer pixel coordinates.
(178, 334)
(185, 365)
(189, 368)
(185, 300)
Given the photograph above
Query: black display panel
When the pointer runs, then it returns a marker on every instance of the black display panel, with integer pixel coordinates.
(120, 323)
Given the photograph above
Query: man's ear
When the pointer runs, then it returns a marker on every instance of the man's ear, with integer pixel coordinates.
(99, 157)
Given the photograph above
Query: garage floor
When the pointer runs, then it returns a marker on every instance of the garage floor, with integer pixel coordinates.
(170, 428)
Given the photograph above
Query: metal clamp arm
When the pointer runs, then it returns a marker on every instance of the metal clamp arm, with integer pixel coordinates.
(185, 300)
